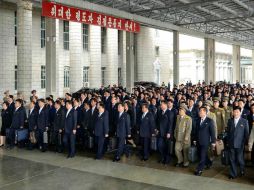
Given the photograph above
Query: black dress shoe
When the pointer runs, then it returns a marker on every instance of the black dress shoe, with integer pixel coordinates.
(179, 165)
(198, 173)
(231, 177)
(161, 161)
(144, 159)
(242, 174)
(116, 159)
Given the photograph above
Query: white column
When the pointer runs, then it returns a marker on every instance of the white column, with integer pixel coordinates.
(130, 60)
(176, 70)
(112, 57)
(236, 63)
(95, 56)
(123, 51)
(51, 57)
(24, 47)
(76, 69)
(210, 66)
(252, 66)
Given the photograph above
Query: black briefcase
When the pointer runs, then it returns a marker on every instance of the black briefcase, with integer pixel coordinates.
(225, 157)
(171, 147)
(153, 145)
(59, 139)
(90, 142)
(112, 143)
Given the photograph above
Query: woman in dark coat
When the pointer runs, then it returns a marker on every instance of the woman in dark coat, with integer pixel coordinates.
(6, 122)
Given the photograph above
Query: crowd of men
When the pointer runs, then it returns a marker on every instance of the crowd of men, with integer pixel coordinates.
(189, 115)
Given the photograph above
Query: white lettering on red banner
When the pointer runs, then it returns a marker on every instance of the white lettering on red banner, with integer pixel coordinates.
(58, 11)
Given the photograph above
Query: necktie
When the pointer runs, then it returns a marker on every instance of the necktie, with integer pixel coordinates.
(201, 121)
(143, 116)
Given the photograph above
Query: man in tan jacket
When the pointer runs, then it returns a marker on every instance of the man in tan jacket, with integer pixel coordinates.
(182, 135)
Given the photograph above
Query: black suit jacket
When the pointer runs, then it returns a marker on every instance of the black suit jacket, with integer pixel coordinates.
(147, 126)
(205, 133)
(18, 119)
(123, 126)
(102, 124)
(42, 121)
(237, 136)
(165, 123)
(70, 122)
(59, 120)
(32, 119)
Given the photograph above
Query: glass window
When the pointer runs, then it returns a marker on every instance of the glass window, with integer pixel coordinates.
(66, 77)
(85, 74)
(43, 76)
(43, 32)
(66, 34)
(15, 26)
(103, 39)
(119, 41)
(85, 31)
(16, 77)
(103, 70)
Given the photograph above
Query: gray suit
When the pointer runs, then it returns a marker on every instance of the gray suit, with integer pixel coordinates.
(237, 136)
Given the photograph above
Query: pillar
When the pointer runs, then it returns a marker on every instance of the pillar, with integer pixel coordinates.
(112, 57)
(51, 57)
(24, 47)
(176, 58)
(123, 57)
(130, 61)
(252, 66)
(210, 66)
(76, 66)
(236, 63)
(95, 56)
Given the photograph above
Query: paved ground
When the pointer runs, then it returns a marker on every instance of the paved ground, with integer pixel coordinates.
(23, 169)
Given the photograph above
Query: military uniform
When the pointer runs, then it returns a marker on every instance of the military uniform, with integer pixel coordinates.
(212, 116)
(182, 135)
(220, 118)
(228, 112)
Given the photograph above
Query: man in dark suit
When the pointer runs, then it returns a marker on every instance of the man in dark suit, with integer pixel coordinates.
(238, 134)
(113, 116)
(204, 136)
(86, 119)
(32, 122)
(70, 127)
(244, 112)
(172, 114)
(107, 100)
(58, 126)
(164, 130)
(94, 114)
(146, 131)
(101, 129)
(193, 113)
(17, 122)
(123, 130)
(42, 125)
(80, 130)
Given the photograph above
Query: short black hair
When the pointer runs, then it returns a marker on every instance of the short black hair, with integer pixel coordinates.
(6, 103)
(236, 108)
(121, 104)
(41, 100)
(68, 102)
(19, 100)
(145, 105)
(164, 102)
(203, 108)
(101, 104)
(58, 102)
(11, 96)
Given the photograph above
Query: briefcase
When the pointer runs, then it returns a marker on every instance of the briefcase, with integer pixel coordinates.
(193, 154)
(219, 146)
(112, 143)
(225, 157)
(32, 137)
(59, 139)
(90, 142)
(21, 135)
(153, 145)
(45, 137)
(171, 147)
(247, 154)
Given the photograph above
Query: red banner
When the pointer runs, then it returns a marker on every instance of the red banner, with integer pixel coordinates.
(58, 11)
